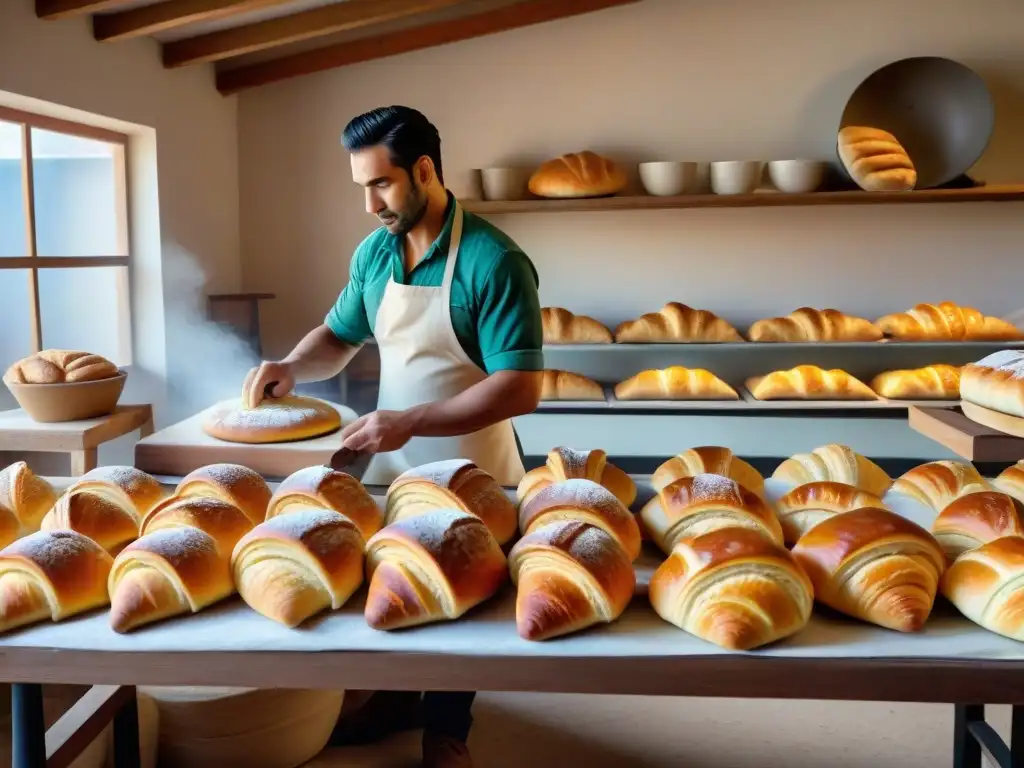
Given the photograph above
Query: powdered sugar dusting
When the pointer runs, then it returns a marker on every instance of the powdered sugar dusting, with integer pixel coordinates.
(1007, 360)
(7, 483)
(576, 492)
(126, 478)
(706, 486)
(51, 549)
(279, 413)
(300, 522)
(175, 544)
(574, 462)
(225, 474)
(308, 477)
(431, 529)
(438, 472)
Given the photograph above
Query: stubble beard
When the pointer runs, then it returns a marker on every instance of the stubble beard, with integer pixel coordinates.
(411, 214)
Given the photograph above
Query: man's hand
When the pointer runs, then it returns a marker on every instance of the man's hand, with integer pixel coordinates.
(257, 379)
(378, 432)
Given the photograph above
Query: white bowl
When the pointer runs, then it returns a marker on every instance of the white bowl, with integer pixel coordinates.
(668, 177)
(796, 176)
(505, 183)
(735, 177)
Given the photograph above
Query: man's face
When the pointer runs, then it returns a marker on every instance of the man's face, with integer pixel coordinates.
(391, 195)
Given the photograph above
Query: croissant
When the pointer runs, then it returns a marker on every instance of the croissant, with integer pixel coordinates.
(326, 488)
(946, 321)
(834, 462)
(564, 385)
(711, 459)
(455, 484)
(1011, 481)
(586, 501)
(692, 506)
(298, 564)
(809, 382)
(874, 565)
(807, 505)
(566, 464)
(563, 327)
(24, 500)
(937, 484)
(675, 383)
(976, 519)
(732, 587)
(51, 575)
(985, 585)
(939, 382)
(996, 382)
(232, 483)
(675, 323)
(434, 566)
(569, 575)
(221, 520)
(807, 324)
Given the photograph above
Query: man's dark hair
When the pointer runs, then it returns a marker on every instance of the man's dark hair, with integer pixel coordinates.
(406, 133)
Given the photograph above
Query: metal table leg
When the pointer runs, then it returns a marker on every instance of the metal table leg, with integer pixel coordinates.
(126, 734)
(28, 727)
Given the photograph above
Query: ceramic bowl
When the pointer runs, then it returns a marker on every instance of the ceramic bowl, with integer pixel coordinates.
(735, 177)
(665, 178)
(505, 183)
(54, 403)
(796, 176)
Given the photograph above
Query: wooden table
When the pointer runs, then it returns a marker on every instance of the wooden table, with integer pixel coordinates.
(81, 439)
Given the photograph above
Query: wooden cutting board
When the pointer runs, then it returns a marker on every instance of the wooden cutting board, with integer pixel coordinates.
(184, 447)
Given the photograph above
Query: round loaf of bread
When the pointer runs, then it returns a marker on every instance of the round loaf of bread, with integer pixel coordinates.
(59, 366)
(274, 420)
(578, 174)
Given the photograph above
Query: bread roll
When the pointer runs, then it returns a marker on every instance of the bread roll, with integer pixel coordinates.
(567, 464)
(232, 483)
(809, 382)
(577, 174)
(59, 366)
(326, 488)
(875, 160)
(976, 519)
(675, 383)
(1011, 481)
(732, 587)
(453, 484)
(692, 506)
(946, 321)
(834, 462)
(51, 575)
(807, 505)
(25, 498)
(434, 566)
(583, 500)
(563, 327)
(563, 385)
(711, 459)
(985, 586)
(806, 324)
(996, 382)
(937, 484)
(569, 575)
(274, 420)
(298, 564)
(221, 520)
(933, 382)
(676, 323)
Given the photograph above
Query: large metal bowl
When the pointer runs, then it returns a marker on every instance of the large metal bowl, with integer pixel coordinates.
(940, 110)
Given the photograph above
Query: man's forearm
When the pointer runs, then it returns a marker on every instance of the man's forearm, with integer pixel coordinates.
(320, 355)
(502, 395)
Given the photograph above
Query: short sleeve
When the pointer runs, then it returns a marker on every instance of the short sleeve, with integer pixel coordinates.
(509, 325)
(347, 318)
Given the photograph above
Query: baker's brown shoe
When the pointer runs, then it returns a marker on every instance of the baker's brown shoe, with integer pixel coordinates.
(445, 752)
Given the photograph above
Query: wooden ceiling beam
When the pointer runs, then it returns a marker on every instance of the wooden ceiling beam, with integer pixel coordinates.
(316, 22)
(170, 14)
(62, 9)
(521, 14)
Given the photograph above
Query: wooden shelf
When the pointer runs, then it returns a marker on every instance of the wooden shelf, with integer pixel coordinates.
(990, 193)
(972, 441)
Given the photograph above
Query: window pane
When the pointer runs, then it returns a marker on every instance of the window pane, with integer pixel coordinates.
(81, 310)
(12, 200)
(16, 322)
(76, 195)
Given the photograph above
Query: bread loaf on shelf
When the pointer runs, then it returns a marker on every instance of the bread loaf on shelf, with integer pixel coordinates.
(274, 420)
(875, 160)
(298, 564)
(577, 174)
(326, 488)
(809, 382)
(946, 321)
(675, 383)
(692, 506)
(568, 464)
(51, 575)
(732, 587)
(975, 519)
(25, 498)
(835, 462)
(60, 366)
(565, 385)
(676, 323)
(233, 483)
(452, 484)
(710, 459)
(569, 576)
(807, 505)
(434, 566)
(996, 382)
(563, 327)
(806, 324)
(583, 500)
(985, 586)
(933, 382)
(1011, 481)
(936, 484)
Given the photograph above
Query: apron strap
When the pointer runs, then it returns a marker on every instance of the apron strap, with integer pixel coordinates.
(453, 250)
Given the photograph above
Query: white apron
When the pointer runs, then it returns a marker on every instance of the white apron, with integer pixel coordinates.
(421, 360)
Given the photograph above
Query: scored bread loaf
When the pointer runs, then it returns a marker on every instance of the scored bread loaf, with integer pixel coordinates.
(875, 160)
(434, 566)
(932, 382)
(675, 383)
(996, 382)
(807, 505)
(274, 420)
(59, 366)
(577, 174)
(564, 385)
(946, 321)
(732, 587)
(710, 459)
(569, 576)
(809, 382)
(567, 464)
(695, 505)
(233, 483)
(836, 462)
(1011, 481)
(326, 488)
(936, 484)
(985, 586)
(676, 323)
(806, 324)
(975, 519)
(563, 327)
(874, 565)
(25, 498)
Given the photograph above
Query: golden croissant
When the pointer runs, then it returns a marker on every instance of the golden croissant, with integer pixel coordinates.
(807, 505)
(233, 483)
(323, 487)
(936, 484)
(809, 382)
(975, 519)
(563, 327)
(676, 323)
(807, 324)
(933, 382)
(675, 383)
(567, 464)
(1011, 481)
(565, 385)
(25, 498)
(946, 321)
(835, 462)
(985, 584)
(711, 459)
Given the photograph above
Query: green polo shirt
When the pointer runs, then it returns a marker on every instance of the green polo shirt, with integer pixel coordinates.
(495, 306)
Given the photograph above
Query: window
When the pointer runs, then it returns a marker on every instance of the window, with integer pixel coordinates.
(64, 254)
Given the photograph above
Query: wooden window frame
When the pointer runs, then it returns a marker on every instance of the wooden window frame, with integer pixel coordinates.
(33, 262)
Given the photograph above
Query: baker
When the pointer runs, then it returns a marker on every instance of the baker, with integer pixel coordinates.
(453, 305)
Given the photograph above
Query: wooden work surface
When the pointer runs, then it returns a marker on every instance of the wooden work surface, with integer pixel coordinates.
(18, 432)
(966, 438)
